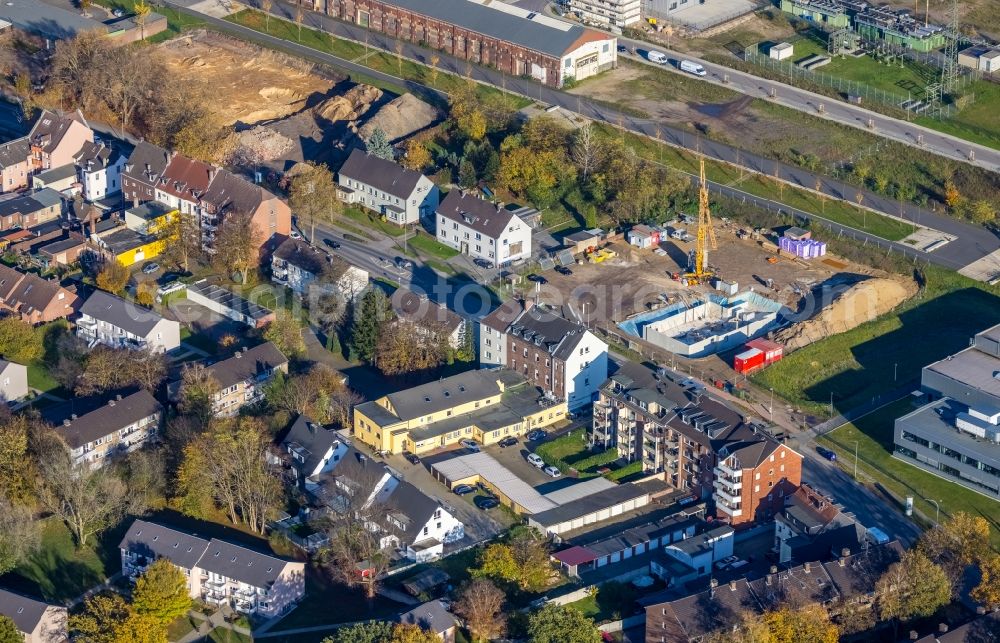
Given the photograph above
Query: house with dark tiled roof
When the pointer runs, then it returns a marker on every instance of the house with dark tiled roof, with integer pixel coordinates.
(400, 195)
(16, 164)
(812, 526)
(217, 571)
(300, 266)
(142, 172)
(113, 321)
(429, 316)
(482, 230)
(29, 210)
(310, 450)
(243, 377)
(99, 428)
(99, 168)
(432, 616)
(56, 139)
(228, 195)
(33, 299)
(37, 622)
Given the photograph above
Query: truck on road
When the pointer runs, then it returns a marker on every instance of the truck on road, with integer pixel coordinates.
(692, 68)
(657, 57)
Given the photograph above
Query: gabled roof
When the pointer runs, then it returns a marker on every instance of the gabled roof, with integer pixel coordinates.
(417, 506)
(24, 204)
(26, 292)
(240, 563)
(50, 128)
(310, 439)
(147, 163)
(155, 540)
(230, 193)
(120, 313)
(83, 420)
(501, 318)
(247, 363)
(856, 575)
(701, 614)
(544, 328)
(14, 152)
(25, 612)
(95, 156)
(305, 257)
(419, 308)
(381, 174)
(475, 213)
(800, 585)
(185, 178)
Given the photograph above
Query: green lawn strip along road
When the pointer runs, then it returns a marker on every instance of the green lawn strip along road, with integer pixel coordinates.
(429, 245)
(857, 365)
(827, 208)
(375, 59)
(873, 434)
(977, 122)
(369, 220)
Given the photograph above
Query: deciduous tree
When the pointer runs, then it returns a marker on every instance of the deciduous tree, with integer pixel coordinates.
(914, 587)
(982, 212)
(370, 632)
(16, 470)
(161, 592)
(237, 245)
(19, 535)
(113, 277)
(561, 624)
(957, 543)
(409, 347)
(141, 9)
(265, 6)
(987, 591)
(312, 195)
(285, 332)
(480, 603)
(18, 341)
(316, 393)
(416, 156)
(411, 633)
(108, 618)
(108, 369)
(182, 238)
(197, 392)
(522, 560)
(586, 151)
(9, 632)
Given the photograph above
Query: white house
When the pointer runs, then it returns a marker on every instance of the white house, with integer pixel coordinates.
(217, 572)
(13, 381)
(36, 621)
(99, 169)
(106, 319)
(422, 525)
(702, 551)
(311, 450)
(402, 196)
(482, 230)
(299, 266)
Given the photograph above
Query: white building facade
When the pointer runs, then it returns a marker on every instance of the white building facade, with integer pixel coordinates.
(614, 13)
(400, 195)
(112, 321)
(481, 230)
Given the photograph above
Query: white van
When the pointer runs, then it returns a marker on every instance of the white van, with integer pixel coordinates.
(657, 57)
(693, 68)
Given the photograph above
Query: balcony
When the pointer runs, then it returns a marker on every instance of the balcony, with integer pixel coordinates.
(722, 470)
(731, 511)
(729, 494)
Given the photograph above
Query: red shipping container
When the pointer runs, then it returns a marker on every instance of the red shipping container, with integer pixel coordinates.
(772, 351)
(748, 361)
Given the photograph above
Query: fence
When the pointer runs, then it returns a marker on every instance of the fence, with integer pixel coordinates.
(865, 91)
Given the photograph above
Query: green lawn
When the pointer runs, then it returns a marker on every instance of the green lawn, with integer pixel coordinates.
(977, 122)
(873, 434)
(370, 220)
(59, 571)
(327, 602)
(429, 245)
(570, 451)
(367, 56)
(829, 208)
(613, 601)
(39, 377)
(226, 635)
(859, 364)
(182, 627)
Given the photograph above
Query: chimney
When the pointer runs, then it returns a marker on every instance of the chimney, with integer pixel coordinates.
(732, 586)
(774, 569)
(805, 567)
(913, 635)
(72, 416)
(244, 349)
(980, 610)
(845, 552)
(942, 628)
(238, 355)
(768, 579)
(111, 402)
(711, 587)
(65, 422)
(118, 397)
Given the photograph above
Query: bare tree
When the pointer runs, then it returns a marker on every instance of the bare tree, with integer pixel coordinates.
(299, 16)
(106, 369)
(182, 238)
(19, 535)
(265, 6)
(480, 603)
(87, 500)
(313, 196)
(586, 151)
(197, 393)
(130, 81)
(237, 246)
(312, 393)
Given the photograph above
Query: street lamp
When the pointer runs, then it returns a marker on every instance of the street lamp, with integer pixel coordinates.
(937, 513)
(770, 405)
(895, 368)
(855, 459)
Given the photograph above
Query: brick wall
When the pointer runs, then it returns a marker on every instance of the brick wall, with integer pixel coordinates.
(765, 496)
(551, 372)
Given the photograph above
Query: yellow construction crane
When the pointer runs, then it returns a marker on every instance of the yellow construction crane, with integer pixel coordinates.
(705, 238)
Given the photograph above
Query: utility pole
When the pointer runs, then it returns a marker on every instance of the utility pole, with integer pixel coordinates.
(937, 513)
(855, 459)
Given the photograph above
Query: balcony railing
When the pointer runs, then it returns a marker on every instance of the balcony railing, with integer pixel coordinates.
(722, 470)
(731, 496)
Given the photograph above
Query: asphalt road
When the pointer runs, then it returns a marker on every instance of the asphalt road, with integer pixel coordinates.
(805, 101)
(971, 242)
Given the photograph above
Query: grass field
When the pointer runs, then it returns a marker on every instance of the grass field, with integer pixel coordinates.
(367, 56)
(59, 571)
(370, 221)
(427, 244)
(570, 451)
(226, 635)
(322, 594)
(977, 122)
(835, 210)
(873, 434)
(859, 364)
(613, 601)
(181, 627)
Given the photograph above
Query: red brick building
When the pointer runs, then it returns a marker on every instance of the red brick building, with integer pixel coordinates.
(514, 40)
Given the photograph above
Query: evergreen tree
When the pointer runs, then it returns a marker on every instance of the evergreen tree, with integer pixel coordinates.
(369, 318)
(9, 632)
(378, 145)
(466, 174)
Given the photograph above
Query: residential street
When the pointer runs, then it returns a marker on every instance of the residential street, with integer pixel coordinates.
(971, 243)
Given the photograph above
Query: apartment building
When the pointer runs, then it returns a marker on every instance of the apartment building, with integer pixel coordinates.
(296, 264)
(812, 526)
(243, 377)
(310, 450)
(482, 230)
(699, 444)
(229, 195)
(56, 139)
(559, 356)
(485, 406)
(113, 321)
(99, 169)
(430, 317)
(142, 172)
(612, 13)
(400, 195)
(34, 300)
(956, 434)
(218, 572)
(15, 165)
(36, 621)
(99, 428)
(517, 41)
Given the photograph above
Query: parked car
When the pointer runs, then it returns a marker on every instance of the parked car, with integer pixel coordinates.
(563, 270)
(536, 435)
(535, 460)
(411, 458)
(507, 442)
(622, 49)
(538, 279)
(726, 562)
(150, 268)
(403, 263)
(463, 490)
(482, 263)
(487, 502)
(331, 243)
(295, 234)
(738, 564)
(471, 445)
(827, 453)
(552, 471)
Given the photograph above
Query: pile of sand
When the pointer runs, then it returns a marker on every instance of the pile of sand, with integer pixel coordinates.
(349, 106)
(401, 117)
(861, 303)
(266, 144)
